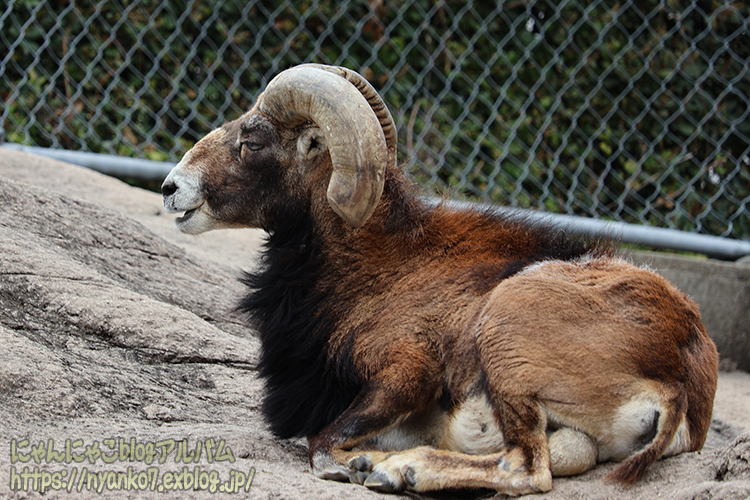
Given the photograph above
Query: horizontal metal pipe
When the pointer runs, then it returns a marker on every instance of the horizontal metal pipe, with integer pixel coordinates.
(653, 237)
(116, 166)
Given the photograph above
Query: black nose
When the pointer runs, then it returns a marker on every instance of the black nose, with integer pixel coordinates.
(168, 188)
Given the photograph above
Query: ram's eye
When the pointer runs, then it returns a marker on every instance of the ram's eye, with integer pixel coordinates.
(252, 146)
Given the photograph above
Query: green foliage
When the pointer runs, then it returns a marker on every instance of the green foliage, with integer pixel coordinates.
(628, 110)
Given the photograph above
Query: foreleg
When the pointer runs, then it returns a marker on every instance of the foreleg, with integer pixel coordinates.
(385, 401)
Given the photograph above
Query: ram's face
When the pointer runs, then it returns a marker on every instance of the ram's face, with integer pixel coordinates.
(258, 169)
(229, 178)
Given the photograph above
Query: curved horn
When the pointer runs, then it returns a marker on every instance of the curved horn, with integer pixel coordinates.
(376, 103)
(358, 127)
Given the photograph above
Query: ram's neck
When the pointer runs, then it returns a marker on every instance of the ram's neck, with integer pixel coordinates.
(406, 230)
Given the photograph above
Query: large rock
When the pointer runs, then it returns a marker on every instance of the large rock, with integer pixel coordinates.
(109, 331)
(115, 327)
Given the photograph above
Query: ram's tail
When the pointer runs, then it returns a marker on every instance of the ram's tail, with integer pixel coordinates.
(633, 468)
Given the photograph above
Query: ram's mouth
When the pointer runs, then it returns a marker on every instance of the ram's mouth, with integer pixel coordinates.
(187, 216)
(196, 220)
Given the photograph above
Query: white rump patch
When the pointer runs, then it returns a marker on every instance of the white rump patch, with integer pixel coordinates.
(630, 423)
(472, 428)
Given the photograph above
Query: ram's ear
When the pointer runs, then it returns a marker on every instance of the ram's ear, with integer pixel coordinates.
(311, 143)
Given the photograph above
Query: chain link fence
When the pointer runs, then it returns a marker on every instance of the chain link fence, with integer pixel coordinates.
(625, 110)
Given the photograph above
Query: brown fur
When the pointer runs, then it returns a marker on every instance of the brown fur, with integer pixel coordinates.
(434, 309)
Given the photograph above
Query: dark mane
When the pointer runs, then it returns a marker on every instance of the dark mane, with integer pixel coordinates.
(305, 391)
(512, 240)
(557, 242)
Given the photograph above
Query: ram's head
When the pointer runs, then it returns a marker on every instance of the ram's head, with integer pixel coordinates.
(313, 126)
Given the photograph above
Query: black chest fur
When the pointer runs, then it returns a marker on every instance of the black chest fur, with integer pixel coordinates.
(305, 389)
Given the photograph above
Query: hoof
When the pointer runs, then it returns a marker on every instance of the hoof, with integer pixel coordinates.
(360, 463)
(411, 477)
(358, 477)
(381, 482)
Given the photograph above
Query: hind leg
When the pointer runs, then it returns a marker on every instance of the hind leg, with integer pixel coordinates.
(522, 467)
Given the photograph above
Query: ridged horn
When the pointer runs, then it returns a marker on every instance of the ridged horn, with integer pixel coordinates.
(357, 125)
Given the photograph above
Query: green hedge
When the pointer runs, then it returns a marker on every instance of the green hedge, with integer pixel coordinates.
(625, 110)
